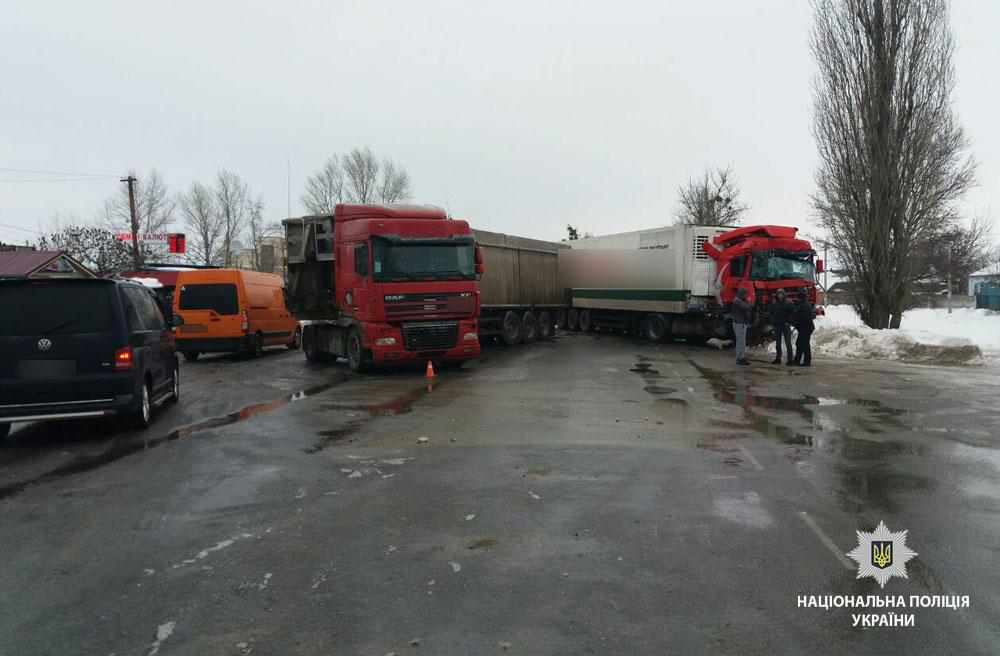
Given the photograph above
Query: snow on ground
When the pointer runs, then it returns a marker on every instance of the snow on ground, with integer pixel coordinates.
(965, 336)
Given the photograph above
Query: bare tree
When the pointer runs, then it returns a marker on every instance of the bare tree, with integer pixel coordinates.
(257, 230)
(97, 248)
(394, 184)
(154, 208)
(361, 170)
(953, 252)
(712, 200)
(203, 220)
(232, 198)
(891, 151)
(325, 188)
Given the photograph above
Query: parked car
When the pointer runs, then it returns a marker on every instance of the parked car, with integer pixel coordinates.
(74, 348)
(232, 311)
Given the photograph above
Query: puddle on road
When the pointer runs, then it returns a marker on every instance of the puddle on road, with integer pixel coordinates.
(482, 543)
(124, 446)
(400, 405)
(659, 390)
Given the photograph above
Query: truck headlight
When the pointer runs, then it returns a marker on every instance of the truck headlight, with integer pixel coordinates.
(385, 341)
(470, 337)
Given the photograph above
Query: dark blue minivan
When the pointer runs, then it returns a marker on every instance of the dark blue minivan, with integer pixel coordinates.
(77, 348)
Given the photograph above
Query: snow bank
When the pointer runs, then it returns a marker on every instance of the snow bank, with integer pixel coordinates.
(966, 336)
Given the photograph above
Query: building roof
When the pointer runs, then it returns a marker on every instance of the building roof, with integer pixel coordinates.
(991, 270)
(21, 263)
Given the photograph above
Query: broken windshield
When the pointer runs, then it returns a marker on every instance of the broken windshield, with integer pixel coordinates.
(779, 264)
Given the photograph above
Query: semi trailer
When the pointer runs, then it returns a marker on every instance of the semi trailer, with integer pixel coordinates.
(384, 284)
(680, 281)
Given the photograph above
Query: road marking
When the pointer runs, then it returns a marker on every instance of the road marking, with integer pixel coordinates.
(825, 539)
(749, 456)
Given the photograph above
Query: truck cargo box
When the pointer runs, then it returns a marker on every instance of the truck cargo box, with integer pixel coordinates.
(519, 271)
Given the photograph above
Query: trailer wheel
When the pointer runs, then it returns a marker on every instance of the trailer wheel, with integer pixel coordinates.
(511, 330)
(654, 327)
(545, 327)
(529, 327)
(573, 319)
(586, 322)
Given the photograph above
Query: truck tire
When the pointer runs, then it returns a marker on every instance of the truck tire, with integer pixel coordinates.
(573, 319)
(358, 357)
(586, 322)
(545, 326)
(310, 346)
(655, 327)
(511, 329)
(529, 327)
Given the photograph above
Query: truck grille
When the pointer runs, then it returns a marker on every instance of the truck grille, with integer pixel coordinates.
(432, 336)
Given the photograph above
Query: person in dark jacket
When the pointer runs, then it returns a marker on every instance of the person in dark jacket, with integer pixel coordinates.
(802, 319)
(781, 315)
(742, 311)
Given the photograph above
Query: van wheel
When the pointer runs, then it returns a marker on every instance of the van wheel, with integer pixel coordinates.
(358, 357)
(144, 411)
(4, 431)
(296, 340)
(529, 327)
(257, 346)
(511, 329)
(175, 386)
(191, 356)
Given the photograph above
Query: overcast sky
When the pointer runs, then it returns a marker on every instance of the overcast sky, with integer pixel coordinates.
(520, 116)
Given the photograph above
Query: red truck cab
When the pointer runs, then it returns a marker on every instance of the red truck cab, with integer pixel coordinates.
(762, 259)
(384, 284)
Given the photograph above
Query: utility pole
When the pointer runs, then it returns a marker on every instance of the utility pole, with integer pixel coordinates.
(949, 279)
(826, 264)
(136, 260)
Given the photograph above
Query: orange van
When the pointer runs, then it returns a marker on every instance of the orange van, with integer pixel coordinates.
(230, 311)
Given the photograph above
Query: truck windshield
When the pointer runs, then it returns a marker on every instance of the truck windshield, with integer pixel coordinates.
(402, 259)
(777, 264)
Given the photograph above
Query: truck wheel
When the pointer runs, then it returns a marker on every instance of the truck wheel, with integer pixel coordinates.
(511, 330)
(529, 327)
(309, 345)
(654, 327)
(358, 357)
(573, 319)
(586, 322)
(545, 328)
(191, 356)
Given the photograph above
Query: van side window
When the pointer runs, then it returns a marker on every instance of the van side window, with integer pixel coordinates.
(132, 318)
(141, 311)
(361, 259)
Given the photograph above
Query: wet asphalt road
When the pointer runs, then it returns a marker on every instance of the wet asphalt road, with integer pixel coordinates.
(585, 495)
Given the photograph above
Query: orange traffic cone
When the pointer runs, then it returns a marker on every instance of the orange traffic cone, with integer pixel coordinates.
(430, 369)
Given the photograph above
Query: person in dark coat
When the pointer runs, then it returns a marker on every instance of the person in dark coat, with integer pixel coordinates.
(742, 311)
(802, 318)
(781, 316)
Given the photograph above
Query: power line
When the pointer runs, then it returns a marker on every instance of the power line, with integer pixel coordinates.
(65, 173)
(14, 227)
(43, 180)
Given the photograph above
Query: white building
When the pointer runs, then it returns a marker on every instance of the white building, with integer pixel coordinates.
(989, 274)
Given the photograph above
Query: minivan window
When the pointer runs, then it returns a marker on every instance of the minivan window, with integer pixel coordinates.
(145, 309)
(56, 308)
(219, 297)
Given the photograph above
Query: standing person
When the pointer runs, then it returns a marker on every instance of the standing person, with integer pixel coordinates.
(741, 321)
(781, 315)
(802, 318)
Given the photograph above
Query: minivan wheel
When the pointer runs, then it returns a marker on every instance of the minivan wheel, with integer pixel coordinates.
(175, 386)
(357, 356)
(296, 340)
(144, 413)
(191, 356)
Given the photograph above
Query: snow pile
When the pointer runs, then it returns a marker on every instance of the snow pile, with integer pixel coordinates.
(925, 336)
(152, 283)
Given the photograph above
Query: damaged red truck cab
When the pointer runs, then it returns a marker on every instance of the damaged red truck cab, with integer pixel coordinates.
(384, 284)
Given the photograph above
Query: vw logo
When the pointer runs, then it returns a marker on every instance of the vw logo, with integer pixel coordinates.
(44, 344)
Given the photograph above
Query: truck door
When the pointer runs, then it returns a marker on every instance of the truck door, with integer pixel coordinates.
(360, 292)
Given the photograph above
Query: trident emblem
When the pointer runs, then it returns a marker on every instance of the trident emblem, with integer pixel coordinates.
(882, 553)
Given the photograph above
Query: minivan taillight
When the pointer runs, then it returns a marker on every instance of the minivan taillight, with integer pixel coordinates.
(244, 322)
(123, 359)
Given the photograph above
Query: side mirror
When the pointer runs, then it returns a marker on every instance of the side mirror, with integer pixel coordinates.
(819, 266)
(176, 320)
(480, 269)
